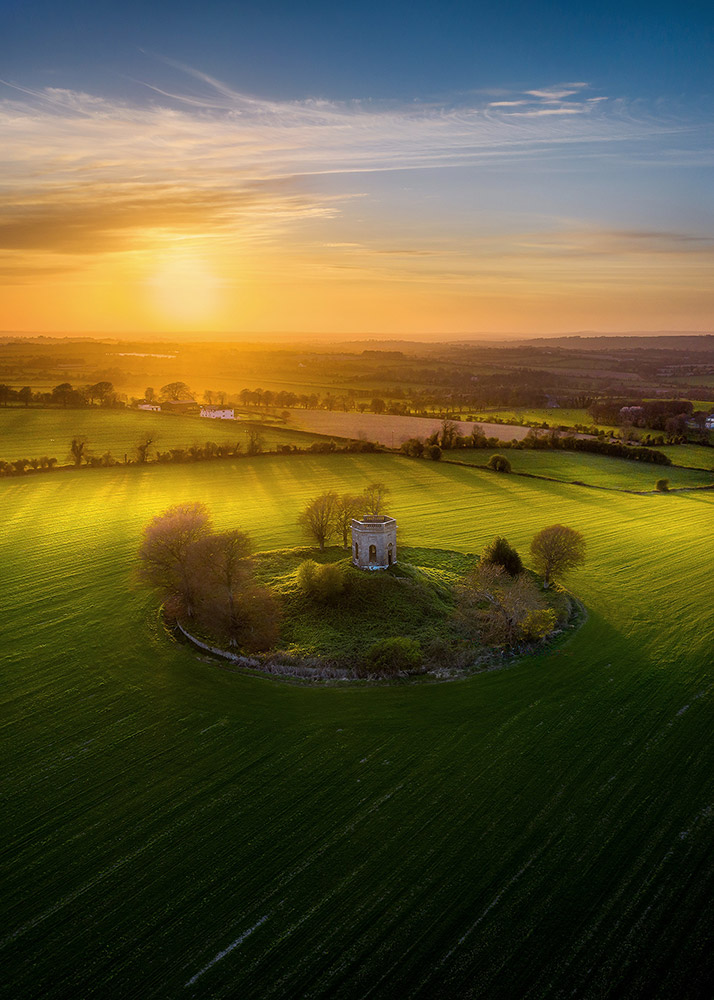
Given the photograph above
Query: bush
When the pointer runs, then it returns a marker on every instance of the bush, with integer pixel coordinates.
(321, 582)
(392, 656)
(662, 485)
(499, 463)
(500, 552)
(538, 624)
(434, 452)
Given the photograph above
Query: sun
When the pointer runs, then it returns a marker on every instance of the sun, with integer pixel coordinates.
(185, 289)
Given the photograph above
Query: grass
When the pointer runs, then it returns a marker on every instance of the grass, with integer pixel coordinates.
(29, 433)
(692, 455)
(414, 598)
(175, 829)
(594, 470)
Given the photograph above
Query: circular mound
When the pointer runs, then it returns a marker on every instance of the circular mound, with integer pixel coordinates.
(342, 623)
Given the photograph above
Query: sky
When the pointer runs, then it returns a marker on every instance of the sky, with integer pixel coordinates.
(232, 169)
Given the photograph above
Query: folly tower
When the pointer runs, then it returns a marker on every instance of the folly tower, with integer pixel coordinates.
(374, 541)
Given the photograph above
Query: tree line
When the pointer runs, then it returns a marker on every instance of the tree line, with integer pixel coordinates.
(146, 452)
(450, 437)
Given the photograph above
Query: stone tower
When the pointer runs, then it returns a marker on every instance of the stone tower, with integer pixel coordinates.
(374, 541)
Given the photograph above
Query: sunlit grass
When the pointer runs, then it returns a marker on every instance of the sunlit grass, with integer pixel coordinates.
(501, 836)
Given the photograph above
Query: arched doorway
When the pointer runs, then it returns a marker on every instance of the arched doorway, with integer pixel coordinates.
(372, 554)
(389, 554)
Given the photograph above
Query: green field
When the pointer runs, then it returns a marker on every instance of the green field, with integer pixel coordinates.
(175, 829)
(29, 433)
(595, 470)
(691, 455)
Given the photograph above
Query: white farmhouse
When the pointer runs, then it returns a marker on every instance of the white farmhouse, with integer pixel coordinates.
(153, 407)
(218, 412)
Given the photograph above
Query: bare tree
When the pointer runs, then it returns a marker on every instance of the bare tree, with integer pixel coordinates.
(502, 611)
(375, 496)
(349, 505)
(256, 441)
(142, 448)
(221, 566)
(149, 394)
(556, 550)
(318, 517)
(78, 450)
(450, 431)
(254, 623)
(165, 551)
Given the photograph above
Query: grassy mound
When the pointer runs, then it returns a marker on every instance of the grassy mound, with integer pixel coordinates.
(415, 599)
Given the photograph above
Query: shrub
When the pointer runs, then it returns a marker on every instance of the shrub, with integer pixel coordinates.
(438, 651)
(434, 452)
(499, 463)
(321, 582)
(391, 656)
(500, 552)
(538, 624)
(662, 485)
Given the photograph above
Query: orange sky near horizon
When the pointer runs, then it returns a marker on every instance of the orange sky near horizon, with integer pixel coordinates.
(244, 216)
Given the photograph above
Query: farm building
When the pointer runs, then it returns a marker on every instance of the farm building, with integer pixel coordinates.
(153, 407)
(180, 406)
(374, 541)
(218, 412)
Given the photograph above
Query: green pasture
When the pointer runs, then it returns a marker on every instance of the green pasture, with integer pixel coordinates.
(175, 829)
(692, 455)
(594, 470)
(30, 433)
(554, 416)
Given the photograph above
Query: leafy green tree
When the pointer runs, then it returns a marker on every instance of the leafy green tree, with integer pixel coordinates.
(500, 552)
(175, 391)
(499, 463)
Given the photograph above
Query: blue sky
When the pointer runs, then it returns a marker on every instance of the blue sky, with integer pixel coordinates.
(381, 50)
(358, 167)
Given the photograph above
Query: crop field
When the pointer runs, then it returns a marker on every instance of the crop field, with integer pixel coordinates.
(595, 470)
(387, 429)
(174, 829)
(29, 433)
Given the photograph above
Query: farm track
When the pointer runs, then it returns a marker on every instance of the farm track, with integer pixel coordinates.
(173, 830)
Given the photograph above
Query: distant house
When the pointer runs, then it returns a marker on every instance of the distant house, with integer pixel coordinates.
(180, 406)
(218, 412)
(154, 407)
(710, 423)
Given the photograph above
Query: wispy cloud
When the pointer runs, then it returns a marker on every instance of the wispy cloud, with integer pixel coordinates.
(86, 174)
